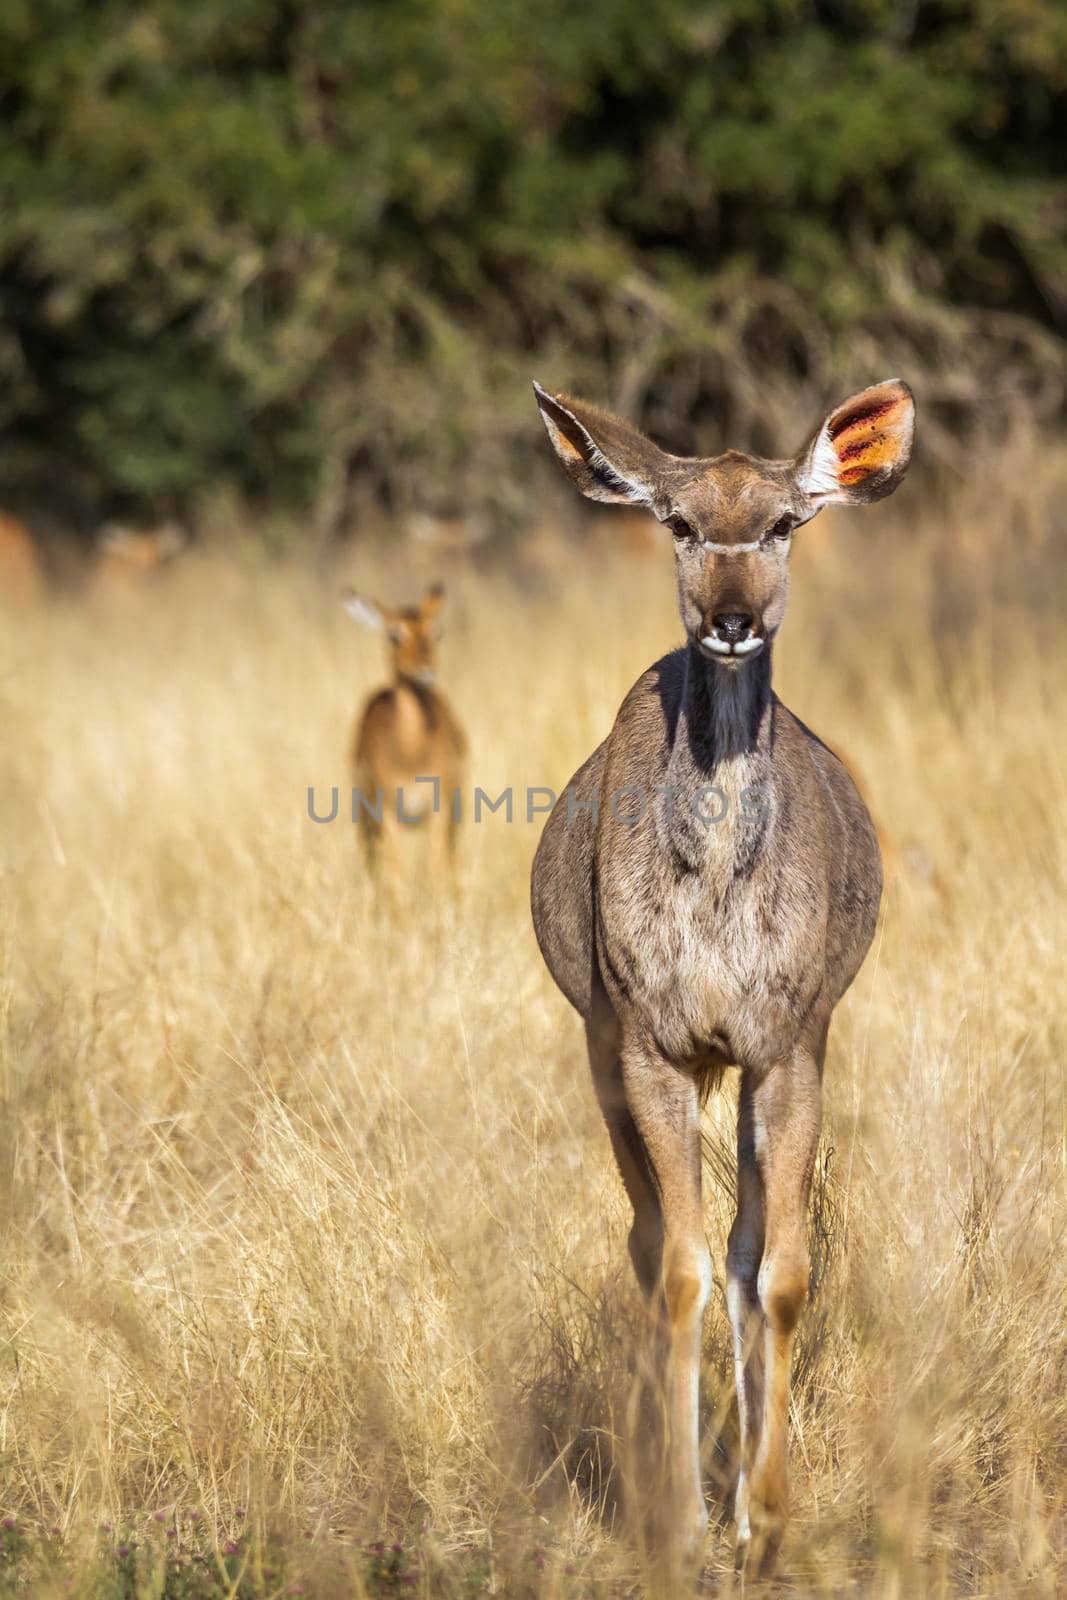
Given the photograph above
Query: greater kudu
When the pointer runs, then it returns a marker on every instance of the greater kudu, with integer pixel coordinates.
(704, 894)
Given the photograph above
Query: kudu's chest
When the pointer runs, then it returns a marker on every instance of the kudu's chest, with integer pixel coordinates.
(703, 938)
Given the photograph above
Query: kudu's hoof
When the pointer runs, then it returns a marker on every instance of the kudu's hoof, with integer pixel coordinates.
(679, 1552)
(756, 1549)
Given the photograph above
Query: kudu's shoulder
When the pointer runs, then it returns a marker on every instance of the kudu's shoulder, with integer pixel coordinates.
(801, 755)
(649, 713)
(653, 704)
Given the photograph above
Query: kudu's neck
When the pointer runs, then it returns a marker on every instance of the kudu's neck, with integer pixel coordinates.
(725, 713)
(718, 772)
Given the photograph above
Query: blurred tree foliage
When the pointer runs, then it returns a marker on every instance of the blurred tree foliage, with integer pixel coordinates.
(312, 250)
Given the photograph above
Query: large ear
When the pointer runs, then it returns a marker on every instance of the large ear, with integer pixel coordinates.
(603, 456)
(362, 609)
(862, 450)
(433, 600)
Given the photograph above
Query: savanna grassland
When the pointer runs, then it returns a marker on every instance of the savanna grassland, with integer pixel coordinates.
(312, 1243)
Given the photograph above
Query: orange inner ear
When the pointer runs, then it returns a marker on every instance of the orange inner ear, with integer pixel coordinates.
(868, 438)
(566, 442)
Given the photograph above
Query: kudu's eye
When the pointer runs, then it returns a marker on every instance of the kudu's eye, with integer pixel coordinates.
(781, 529)
(680, 528)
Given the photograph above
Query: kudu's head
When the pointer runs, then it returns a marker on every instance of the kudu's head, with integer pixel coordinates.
(733, 516)
(412, 631)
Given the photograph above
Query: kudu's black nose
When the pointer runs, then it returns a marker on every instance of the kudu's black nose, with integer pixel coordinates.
(733, 625)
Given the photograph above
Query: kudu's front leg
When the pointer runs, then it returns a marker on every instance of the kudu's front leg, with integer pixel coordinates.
(767, 1283)
(743, 1256)
(664, 1105)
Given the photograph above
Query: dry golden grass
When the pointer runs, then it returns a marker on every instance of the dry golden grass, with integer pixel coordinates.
(311, 1213)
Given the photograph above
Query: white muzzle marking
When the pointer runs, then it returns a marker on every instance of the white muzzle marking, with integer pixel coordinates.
(722, 647)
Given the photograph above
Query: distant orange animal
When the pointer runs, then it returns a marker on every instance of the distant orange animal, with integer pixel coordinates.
(405, 733)
(128, 560)
(21, 582)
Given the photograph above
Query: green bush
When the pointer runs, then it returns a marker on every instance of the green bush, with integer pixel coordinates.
(310, 251)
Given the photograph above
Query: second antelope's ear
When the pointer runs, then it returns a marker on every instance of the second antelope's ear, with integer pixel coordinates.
(433, 600)
(862, 450)
(603, 456)
(362, 609)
